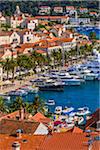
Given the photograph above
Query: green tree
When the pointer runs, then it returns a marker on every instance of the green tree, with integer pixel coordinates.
(13, 64)
(24, 61)
(17, 104)
(2, 105)
(5, 26)
(38, 105)
(92, 35)
(6, 66)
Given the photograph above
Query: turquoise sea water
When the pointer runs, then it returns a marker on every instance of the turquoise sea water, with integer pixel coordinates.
(86, 31)
(77, 96)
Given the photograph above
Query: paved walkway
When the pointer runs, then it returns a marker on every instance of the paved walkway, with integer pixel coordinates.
(17, 84)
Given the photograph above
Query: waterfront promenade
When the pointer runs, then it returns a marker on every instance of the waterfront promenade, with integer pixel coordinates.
(17, 84)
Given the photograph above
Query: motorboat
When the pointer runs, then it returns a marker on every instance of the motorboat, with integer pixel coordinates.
(98, 77)
(5, 97)
(90, 76)
(78, 119)
(50, 102)
(67, 110)
(72, 114)
(83, 111)
(70, 122)
(30, 89)
(51, 85)
(18, 92)
(73, 82)
(58, 110)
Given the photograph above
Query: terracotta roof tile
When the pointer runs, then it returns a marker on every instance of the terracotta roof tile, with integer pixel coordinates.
(40, 51)
(93, 13)
(65, 141)
(11, 115)
(83, 8)
(77, 130)
(70, 7)
(33, 142)
(51, 17)
(4, 33)
(8, 126)
(39, 117)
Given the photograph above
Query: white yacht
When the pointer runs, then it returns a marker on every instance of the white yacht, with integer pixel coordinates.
(5, 97)
(50, 102)
(90, 76)
(30, 89)
(50, 85)
(83, 111)
(18, 92)
(58, 110)
(67, 110)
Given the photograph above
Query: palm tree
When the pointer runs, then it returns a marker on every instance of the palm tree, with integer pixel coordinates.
(38, 105)
(54, 56)
(24, 61)
(6, 66)
(13, 64)
(2, 105)
(17, 104)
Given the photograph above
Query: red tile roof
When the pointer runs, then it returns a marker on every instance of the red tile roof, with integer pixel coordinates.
(5, 33)
(40, 51)
(83, 8)
(93, 13)
(51, 17)
(39, 117)
(70, 7)
(33, 142)
(10, 116)
(77, 130)
(8, 126)
(65, 141)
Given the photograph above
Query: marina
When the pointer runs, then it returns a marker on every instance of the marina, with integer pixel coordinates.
(86, 94)
(73, 87)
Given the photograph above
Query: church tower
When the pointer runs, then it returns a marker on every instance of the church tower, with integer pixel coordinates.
(17, 12)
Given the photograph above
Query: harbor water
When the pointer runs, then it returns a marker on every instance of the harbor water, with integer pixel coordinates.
(87, 94)
(87, 30)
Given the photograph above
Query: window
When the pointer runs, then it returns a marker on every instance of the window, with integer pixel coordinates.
(15, 40)
(28, 39)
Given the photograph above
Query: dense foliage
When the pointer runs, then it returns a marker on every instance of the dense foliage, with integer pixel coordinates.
(31, 7)
(38, 105)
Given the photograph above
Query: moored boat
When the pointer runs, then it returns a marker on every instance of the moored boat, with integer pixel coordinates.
(51, 85)
(50, 102)
(83, 111)
(90, 76)
(18, 93)
(5, 97)
(58, 110)
(67, 110)
(30, 89)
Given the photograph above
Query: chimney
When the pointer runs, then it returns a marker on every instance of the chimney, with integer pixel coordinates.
(19, 133)
(16, 146)
(21, 113)
(90, 147)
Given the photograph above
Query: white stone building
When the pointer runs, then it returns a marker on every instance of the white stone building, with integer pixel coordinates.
(43, 10)
(30, 37)
(29, 23)
(16, 21)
